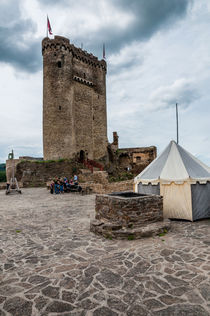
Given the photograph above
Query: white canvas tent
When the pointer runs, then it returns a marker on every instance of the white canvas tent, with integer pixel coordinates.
(182, 180)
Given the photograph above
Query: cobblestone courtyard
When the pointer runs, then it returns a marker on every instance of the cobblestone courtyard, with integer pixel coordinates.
(50, 263)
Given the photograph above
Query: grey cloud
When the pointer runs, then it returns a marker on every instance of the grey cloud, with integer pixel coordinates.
(182, 91)
(14, 49)
(149, 17)
(125, 65)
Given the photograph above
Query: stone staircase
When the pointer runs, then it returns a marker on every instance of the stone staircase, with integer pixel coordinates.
(92, 165)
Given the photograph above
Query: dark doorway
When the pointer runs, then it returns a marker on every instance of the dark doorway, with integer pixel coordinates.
(82, 155)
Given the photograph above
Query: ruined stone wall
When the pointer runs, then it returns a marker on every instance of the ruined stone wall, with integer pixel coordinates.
(38, 173)
(34, 174)
(74, 101)
(146, 154)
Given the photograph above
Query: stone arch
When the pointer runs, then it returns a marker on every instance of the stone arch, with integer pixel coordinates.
(82, 155)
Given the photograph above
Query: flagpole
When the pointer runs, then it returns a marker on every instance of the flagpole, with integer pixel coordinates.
(177, 125)
(47, 27)
(104, 52)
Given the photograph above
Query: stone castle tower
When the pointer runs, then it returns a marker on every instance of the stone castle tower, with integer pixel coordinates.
(74, 101)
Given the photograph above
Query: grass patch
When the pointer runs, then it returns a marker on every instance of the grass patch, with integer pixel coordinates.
(18, 231)
(130, 237)
(121, 177)
(163, 233)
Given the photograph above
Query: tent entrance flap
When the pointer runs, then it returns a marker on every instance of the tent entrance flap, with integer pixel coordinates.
(177, 201)
(200, 200)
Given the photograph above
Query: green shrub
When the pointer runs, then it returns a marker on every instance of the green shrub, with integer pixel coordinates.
(2, 166)
(3, 177)
(74, 170)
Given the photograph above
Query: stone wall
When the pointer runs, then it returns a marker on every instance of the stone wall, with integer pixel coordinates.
(137, 156)
(38, 173)
(128, 215)
(34, 174)
(100, 188)
(74, 101)
(133, 211)
(3, 185)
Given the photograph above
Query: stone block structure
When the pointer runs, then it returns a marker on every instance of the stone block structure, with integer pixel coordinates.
(128, 215)
(128, 208)
(74, 101)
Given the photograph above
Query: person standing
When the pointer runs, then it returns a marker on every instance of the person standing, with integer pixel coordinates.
(75, 179)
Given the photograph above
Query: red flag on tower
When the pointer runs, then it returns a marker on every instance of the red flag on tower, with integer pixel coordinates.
(49, 29)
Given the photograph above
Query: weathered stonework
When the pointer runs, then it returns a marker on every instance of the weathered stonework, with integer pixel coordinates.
(37, 173)
(127, 214)
(135, 210)
(108, 187)
(137, 158)
(74, 101)
(131, 159)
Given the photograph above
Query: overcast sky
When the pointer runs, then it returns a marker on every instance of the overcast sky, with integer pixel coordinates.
(158, 53)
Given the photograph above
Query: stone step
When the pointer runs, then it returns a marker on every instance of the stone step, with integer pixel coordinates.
(85, 171)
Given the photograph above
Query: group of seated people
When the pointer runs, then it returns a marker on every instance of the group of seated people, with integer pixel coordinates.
(61, 185)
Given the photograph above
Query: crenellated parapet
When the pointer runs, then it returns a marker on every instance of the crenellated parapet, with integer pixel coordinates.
(60, 43)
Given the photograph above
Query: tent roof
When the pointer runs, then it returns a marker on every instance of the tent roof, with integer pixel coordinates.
(175, 164)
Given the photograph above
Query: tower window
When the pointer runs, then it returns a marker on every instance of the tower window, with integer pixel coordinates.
(84, 76)
(59, 108)
(59, 64)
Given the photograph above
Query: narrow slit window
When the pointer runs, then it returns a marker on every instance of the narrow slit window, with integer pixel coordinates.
(59, 64)
(59, 108)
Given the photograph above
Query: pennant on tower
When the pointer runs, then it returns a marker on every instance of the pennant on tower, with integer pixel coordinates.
(49, 26)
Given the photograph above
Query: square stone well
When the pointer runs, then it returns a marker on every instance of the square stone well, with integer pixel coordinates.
(127, 213)
(128, 208)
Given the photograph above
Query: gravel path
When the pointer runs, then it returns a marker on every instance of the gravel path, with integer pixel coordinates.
(50, 263)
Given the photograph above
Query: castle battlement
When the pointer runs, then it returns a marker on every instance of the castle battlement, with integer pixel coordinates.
(63, 43)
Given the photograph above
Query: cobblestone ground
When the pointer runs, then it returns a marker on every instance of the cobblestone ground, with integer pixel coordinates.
(50, 263)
